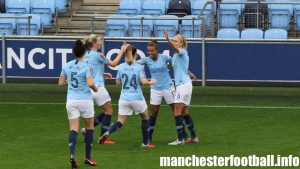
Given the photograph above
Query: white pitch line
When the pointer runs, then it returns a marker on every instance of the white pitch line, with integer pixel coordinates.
(192, 106)
(24, 103)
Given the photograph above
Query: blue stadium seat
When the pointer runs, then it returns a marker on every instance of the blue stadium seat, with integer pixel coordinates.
(228, 33)
(136, 25)
(17, 6)
(280, 14)
(170, 25)
(35, 25)
(197, 5)
(187, 29)
(167, 4)
(61, 5)
(130, 7)
(229, 18)
(276, 34)
(252, 34)
(45, 8)
(116, 27)
(7, 25)
(229, 15)
(154, 7)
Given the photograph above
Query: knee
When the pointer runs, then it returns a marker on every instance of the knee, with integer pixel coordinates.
(109, 111)
(89, 126)
(154, 111)
(144, 116)
(178, 110)
(185, 113)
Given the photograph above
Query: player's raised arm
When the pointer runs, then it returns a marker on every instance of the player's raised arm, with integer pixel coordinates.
(116, 61)
(171, 42)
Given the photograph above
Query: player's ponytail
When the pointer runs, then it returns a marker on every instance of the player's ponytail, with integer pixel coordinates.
(79, 49)
(130, 54)
(90, 40)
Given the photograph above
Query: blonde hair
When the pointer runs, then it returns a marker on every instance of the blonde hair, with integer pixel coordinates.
(183, 40)
(90, 40)
(130, 54)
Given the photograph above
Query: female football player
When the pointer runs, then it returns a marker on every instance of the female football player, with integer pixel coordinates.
(97, 60)
(184, 87)
(159, 65)
(76, 74)
(130, 75)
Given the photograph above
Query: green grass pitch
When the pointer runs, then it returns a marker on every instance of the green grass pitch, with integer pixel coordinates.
(229, 120)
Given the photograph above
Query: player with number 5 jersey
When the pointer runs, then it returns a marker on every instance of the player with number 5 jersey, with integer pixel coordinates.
(77, 75)
(129, 76)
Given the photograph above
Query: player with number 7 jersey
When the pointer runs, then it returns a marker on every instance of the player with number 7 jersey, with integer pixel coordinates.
(129, 76)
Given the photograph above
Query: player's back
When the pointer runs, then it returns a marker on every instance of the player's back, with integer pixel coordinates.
(130, 76)
(97, 61)
(76, 73)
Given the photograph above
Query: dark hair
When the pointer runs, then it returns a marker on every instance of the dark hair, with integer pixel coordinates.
(130, 54)
(153, 43)
(79, 49)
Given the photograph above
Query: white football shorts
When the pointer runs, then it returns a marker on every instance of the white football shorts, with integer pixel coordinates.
(156, 96)
(80, 108)
(101, 96)
(183, 93)
(127, 108)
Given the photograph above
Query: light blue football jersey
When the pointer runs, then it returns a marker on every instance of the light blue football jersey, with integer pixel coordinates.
(97, 60)
(130, 76)
(76, 73)
(180, 65)
(159, 71)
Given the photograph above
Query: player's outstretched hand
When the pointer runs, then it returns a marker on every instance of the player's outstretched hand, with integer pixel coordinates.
(152, 81)
(95, 89)
(124, 46)
(166, 34)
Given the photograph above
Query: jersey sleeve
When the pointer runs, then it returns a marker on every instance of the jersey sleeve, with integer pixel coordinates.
(103, 59)
(168, 59)
(88, 72)
(118, 75)
(182, 52)
(142, 72)
(142, 61)
(63, 72)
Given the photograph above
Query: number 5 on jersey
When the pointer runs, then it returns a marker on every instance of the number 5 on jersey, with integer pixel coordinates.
(74, 80)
